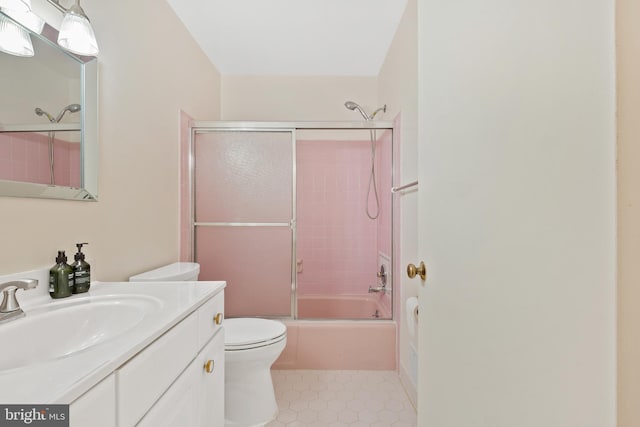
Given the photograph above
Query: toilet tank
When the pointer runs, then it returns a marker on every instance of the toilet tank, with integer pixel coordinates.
(176, 272)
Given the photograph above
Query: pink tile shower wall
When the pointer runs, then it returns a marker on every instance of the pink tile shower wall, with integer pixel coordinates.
(336, 241)
(25, 157)
(361, 306)
(66, 169)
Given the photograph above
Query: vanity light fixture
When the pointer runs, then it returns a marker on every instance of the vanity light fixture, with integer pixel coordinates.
(14, 39)
(29, 19)
(17, 5)
(76, 34)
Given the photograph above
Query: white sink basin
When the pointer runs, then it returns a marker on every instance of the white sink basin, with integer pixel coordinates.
(63, 329)
(62, 348)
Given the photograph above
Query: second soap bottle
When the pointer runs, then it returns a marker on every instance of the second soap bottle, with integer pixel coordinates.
(81, 271)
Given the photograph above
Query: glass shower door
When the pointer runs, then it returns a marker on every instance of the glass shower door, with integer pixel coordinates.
(243, 217)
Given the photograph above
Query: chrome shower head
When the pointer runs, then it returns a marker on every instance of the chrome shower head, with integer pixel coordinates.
(353, 106)
(72, 108)
(39, 111)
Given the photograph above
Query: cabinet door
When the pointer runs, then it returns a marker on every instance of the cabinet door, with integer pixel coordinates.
(212, 395)
(180, 405)
(196, 398)
(143, 379)
(97, 407)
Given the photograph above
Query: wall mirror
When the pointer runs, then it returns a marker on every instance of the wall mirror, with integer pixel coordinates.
(48, 121)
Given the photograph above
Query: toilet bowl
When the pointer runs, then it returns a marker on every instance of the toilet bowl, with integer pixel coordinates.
(252, 345)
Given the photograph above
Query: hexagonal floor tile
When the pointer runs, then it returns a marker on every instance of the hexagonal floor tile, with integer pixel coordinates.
(341, 398)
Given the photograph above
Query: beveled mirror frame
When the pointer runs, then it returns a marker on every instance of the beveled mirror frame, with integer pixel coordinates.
(88, 189)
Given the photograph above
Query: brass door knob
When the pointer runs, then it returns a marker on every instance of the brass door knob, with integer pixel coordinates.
(413, 271)
(218, 319)
(208, 367)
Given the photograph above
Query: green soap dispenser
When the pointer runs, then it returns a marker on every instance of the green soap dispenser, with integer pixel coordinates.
(61, 278)
(81, 272)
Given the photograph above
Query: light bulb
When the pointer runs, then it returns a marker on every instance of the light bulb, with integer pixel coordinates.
(28, 19)
(17, 5)
(76, 34)
(14, 39)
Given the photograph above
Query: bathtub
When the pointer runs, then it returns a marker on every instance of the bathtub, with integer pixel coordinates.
(365, 306)
(339, 344)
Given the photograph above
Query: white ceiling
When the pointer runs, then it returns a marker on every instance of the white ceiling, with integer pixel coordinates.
(293, 37)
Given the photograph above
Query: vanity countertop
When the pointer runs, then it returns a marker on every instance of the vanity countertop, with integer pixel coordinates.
(38, 378)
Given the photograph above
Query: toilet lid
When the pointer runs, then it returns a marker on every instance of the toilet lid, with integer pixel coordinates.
(242, 333)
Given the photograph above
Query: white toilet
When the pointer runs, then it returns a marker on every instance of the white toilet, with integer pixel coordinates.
(251, 347)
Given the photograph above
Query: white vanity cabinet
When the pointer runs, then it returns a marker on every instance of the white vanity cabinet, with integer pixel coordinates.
(97, 407)
(175, 381)
(134, 354)
(196, 398)
(164, 385)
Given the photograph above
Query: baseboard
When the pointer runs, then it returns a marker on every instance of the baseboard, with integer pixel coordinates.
(409, 387)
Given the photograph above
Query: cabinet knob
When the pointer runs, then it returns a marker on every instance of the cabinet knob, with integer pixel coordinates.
(413, 271)
(218, 318)
(208, 367)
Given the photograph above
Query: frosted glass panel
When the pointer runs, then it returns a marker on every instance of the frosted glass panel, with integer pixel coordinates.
(255, 262)
(243, 176)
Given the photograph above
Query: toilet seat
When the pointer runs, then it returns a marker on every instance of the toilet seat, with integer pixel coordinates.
(248, 333)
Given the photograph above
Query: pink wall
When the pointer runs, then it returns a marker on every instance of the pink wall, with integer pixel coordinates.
(336, 241)
(24, 156)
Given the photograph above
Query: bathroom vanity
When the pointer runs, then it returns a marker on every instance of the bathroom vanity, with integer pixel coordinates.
(124, 354)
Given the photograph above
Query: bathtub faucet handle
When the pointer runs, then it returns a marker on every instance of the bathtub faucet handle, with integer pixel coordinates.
(382, 275)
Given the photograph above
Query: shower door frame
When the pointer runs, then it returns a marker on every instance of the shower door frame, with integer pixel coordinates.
(198, 126)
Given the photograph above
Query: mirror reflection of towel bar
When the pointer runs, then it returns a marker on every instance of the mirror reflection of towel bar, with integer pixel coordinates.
(404, 187)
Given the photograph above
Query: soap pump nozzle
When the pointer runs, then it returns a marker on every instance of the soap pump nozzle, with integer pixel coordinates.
(79, 255)
(61, 258)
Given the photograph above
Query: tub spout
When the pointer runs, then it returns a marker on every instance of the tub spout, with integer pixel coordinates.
(378, 289)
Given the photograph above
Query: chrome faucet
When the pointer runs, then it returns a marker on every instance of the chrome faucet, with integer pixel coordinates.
(9, 307)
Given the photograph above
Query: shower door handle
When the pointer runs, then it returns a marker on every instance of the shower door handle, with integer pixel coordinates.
(413, 271)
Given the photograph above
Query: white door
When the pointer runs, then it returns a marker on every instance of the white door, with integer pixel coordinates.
(516, 213)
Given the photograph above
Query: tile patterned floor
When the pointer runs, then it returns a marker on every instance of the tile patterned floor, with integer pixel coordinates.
(341, 399)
